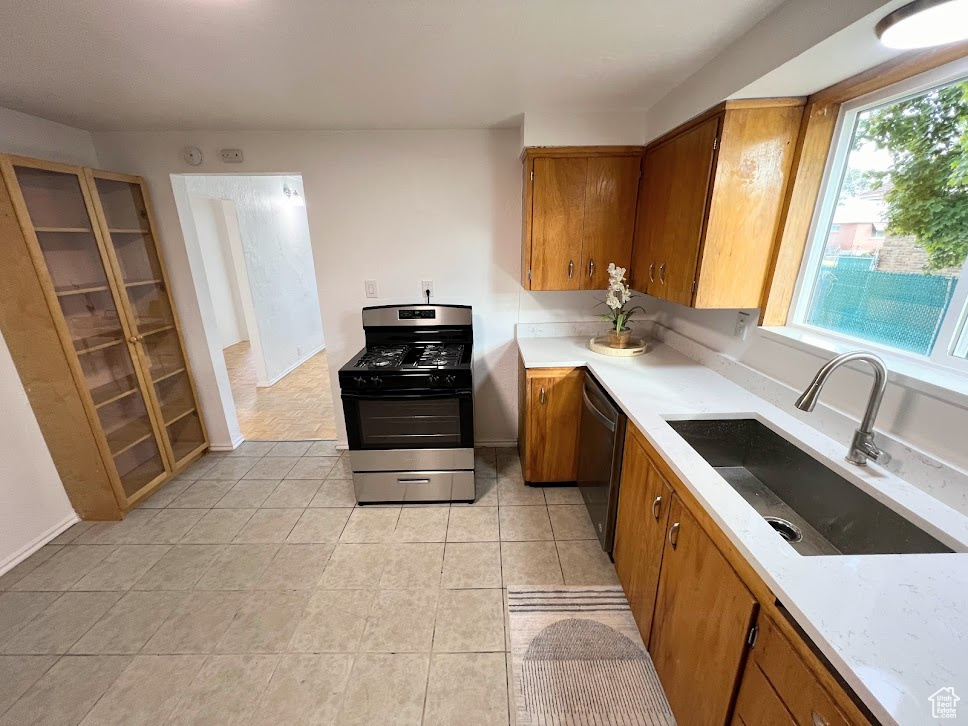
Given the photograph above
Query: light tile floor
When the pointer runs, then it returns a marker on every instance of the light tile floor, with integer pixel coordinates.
(299, 406)
(252, 590)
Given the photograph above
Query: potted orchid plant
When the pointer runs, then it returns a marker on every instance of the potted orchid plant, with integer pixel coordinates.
(617, 298)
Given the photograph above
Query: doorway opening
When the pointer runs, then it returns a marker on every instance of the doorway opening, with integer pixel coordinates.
(253, 261)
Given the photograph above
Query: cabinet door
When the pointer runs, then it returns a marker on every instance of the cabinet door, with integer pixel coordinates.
(643, 512)
(702, 621)
(672, 212)
(758, 704)
(125, 221)
(611, 191)
(554, 415)
(73, 265)
(558, 208)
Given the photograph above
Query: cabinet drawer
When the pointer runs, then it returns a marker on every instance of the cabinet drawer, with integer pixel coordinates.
(758, 704)
(794, 682)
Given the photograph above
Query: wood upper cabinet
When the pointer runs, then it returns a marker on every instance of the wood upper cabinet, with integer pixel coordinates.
(558, 221)
(643, 512)
(675, 189)
(709, 204)
(552, 417)
(702, 621)
(578, 215)
(611, 192)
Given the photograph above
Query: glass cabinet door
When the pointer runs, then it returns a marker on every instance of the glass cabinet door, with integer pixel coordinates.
(126, 226)
(82, 283)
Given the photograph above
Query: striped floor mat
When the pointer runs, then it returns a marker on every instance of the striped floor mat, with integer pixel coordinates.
(578, 660)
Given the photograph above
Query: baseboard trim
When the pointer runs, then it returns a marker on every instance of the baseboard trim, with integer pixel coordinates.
(498, 443)
(236, 443)
(290, 369)
(35, 544)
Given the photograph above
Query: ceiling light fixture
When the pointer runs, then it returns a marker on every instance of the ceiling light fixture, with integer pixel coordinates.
(923, 23)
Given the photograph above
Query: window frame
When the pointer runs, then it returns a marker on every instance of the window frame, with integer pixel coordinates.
(954, 325)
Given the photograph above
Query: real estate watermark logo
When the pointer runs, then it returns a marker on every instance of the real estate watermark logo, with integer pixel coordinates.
(944, 703)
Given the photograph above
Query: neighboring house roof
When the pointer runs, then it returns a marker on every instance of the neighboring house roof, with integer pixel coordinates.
(866, 208)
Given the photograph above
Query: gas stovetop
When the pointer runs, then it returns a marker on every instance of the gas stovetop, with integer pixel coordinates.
(402, 357)
(412, 347)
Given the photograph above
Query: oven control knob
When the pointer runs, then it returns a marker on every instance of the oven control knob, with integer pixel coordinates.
(360, 381)
(434, 379)
(450, 380)
(377, 382)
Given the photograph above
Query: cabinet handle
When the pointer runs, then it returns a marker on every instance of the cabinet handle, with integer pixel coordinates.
(571, 269)
(662, 273)
(651, 270)
(591, 268)
(656, 503)
(133, 339)
(818, 720)
(674, 535)
(541, 396)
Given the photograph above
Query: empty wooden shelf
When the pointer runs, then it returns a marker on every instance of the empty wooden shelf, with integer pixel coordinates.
(92, 330)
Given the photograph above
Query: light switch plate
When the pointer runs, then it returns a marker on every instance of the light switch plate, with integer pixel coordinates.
(371, 288)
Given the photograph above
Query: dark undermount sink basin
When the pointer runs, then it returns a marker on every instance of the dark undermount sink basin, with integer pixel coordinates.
(810, 506)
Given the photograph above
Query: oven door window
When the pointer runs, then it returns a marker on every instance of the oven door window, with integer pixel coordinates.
(410, 423)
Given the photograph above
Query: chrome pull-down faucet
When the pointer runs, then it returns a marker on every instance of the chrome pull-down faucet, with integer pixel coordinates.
(862, 447)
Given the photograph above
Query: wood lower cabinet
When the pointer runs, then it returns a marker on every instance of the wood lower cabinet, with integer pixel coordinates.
(90, 325)
(578, 215)
(702, 622)
(797, 685)
(551, 418)
(645, 498)
(695, 600)
(758, 703)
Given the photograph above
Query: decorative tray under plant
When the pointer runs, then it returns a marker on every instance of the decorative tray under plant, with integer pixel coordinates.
(636, 346)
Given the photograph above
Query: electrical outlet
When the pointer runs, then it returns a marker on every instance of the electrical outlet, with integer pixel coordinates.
(424, 286)
(742, 325)
(371, 288)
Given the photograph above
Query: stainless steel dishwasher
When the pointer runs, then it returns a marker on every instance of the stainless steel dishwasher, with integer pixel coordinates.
(601, 444)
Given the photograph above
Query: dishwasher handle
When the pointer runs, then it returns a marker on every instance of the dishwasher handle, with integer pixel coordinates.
(604, 420)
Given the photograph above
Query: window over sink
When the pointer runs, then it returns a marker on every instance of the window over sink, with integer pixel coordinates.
(886, 260)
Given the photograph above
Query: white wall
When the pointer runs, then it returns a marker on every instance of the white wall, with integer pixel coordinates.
(620, 128)
(782, 36)
(33, 504)
(26, 135)
(279, 265)
(209, 217)
(395, 206)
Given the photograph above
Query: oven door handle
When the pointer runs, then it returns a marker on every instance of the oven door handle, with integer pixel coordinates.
(391, 395)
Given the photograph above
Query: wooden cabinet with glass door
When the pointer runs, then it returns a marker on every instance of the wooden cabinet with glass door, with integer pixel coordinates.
(125, 220)
(134, 416)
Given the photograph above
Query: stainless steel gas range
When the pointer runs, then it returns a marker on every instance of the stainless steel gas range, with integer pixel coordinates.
(409, 405)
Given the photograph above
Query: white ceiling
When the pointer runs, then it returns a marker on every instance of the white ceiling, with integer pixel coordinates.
(317, 64)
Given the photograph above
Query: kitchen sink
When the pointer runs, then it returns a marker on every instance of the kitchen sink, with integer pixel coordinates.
(814, 509)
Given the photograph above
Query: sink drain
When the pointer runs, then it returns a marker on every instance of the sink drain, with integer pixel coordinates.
(787, 530)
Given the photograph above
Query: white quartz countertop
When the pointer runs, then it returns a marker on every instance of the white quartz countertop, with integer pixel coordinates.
(894, 626)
